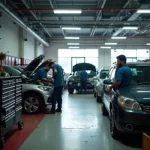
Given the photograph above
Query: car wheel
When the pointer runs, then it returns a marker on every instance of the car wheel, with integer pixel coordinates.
(104, 110)
(98, 99)
(32, 104)
(70, 90)
(113, 129)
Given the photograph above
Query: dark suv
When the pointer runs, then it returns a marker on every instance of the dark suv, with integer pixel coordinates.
(129, 107)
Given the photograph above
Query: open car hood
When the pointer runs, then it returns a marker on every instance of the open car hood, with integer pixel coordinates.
(34, 64)
(82, 66)
(42, 65)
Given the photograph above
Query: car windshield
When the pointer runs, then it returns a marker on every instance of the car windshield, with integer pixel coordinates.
(13, 72)
(103, 74)
(140, 74)
(90, 73)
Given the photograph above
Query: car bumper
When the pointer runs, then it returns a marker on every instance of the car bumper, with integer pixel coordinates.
(47, 97)
(132, 121)
(78, 86)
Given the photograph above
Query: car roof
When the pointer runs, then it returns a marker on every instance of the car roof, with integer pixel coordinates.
(139, 64)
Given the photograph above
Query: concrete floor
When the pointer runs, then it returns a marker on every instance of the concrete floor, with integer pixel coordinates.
(80, 127)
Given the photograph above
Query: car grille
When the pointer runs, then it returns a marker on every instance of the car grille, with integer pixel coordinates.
(146, 108)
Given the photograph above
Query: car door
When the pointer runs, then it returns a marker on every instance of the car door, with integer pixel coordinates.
(107, 99)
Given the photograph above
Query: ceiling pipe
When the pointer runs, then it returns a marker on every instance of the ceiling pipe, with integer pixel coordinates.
(84, 9)
(22, 24)
(101, 37)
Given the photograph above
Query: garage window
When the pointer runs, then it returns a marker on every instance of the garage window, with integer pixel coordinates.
(132, 54)
(65, 57)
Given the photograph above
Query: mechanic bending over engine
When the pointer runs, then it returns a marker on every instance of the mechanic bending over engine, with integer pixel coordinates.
(83, 81)
(41, 74)
(58, 87)
(123, 75)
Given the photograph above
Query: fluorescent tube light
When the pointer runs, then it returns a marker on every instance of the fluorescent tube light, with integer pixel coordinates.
(118, 38)
(73, 44)
(71, 28)
(104, 47)
(148, 44)
(64, 11)
(74, 47)
(143, 11)
(130, 28)
(110, 43)
(73, 38)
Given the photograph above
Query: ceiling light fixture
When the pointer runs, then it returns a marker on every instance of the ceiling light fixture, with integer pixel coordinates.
(62, 11)
(119, 38)
(74, 47)
(72, 38)
(130, 28)
(143, 11)
(71, 28)
(73, 44)
(148, 44)
(104, 47)
(110, 43)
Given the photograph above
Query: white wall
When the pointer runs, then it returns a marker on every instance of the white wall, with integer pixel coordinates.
(9, 36)
(29, 47)
(12, 40)
(52, 52)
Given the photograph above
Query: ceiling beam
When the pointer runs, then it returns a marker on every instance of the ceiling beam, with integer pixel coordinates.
(132, 18)
(58, 18)
(106, 22)
(34, 15)
(101, 4)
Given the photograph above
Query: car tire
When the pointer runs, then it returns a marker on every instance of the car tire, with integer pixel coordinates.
(32, 104)
(95, 94)
(98, 99)
(70, 90)
(113, 129)
(104, 110)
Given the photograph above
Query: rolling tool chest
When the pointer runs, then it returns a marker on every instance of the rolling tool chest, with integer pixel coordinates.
(10, 105)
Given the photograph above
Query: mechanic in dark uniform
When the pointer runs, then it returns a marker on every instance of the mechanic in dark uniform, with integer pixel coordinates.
(58, 87)
(123, 74)
(83, 81)
(41, 74)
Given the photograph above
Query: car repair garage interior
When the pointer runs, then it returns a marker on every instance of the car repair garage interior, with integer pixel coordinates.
(91, 56)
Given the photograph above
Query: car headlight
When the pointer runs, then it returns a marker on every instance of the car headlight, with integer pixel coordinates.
(128, 103)
(44, 88)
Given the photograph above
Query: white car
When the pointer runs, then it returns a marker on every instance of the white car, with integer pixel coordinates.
(98, 84)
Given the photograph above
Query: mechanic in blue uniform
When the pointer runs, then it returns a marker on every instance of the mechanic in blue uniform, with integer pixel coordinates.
(123, 74)
(58, 87)
(41, 74)
(83, 81)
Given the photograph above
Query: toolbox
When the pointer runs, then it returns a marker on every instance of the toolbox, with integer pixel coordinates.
(10, 105)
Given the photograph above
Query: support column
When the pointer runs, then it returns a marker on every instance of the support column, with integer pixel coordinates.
(21, 45)
(105, 58)
(35, 48)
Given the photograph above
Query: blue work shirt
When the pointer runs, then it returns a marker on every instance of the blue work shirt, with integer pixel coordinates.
(59, 78)
(83, 76)
(124, 74)
(40, 74)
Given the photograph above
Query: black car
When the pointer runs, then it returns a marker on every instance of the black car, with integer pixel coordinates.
(129, 107)
(74, 79)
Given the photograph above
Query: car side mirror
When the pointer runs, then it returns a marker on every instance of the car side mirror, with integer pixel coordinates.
(108, 82)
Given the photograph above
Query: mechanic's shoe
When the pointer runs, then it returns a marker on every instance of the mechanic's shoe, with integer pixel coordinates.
(51, 112)
(58, 110)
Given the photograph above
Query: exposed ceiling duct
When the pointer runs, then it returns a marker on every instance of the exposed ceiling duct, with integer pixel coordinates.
(22, 24)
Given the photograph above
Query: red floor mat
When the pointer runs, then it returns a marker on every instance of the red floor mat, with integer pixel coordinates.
(14, 139)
